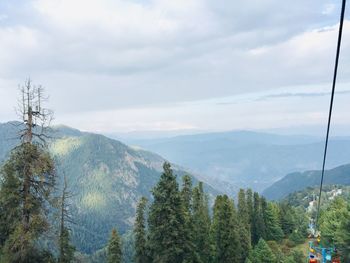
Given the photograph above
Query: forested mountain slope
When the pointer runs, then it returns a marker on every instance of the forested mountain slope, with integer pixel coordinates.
(230, 160)
(298, 181)
(106, 177)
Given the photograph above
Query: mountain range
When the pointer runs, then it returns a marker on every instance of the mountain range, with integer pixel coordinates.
(105, 176)
(230, 160)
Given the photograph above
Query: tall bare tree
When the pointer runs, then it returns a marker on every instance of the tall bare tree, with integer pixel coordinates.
(31, 170)
(36, 120)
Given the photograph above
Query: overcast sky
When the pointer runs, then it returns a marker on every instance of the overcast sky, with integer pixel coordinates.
(195, 65)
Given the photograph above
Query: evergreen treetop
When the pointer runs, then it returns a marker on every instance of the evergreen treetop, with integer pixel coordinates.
(114, 252)
(168, 240)
(141, 242)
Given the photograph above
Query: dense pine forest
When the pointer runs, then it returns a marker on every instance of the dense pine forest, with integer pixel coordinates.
(182, 228)
(178, 225)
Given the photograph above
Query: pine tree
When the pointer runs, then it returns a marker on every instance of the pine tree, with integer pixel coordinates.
(31, 171)
(224, 232)
(287, 218)
(263, 206)
(201, 223)
(243, 213)
(114, 252)
(186, 193)
(250, 210)
(245, 242)
(262, 253)
(141, 250)
(244, 225)
(167, 235)
(258, 226)
(191, 254)
(273, 228)
(250, 203)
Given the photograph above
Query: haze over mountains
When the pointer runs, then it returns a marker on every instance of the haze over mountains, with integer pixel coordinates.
(229, 160)
(234, 159)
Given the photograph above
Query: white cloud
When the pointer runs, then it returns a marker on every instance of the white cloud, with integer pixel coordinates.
(259, 110)
(109, 55)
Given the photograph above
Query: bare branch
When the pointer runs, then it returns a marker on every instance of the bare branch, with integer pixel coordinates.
(33, 114)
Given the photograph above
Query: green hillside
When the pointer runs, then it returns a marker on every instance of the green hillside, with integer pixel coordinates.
(106, 177)
(298, 181)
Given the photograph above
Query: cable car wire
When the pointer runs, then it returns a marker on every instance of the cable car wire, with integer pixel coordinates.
(331, 106)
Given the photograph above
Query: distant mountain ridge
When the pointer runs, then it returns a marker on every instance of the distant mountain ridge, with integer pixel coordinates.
(298, 181)
(106, 176)
(230, 160)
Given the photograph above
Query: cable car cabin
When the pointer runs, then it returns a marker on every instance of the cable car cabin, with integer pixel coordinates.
(313, 259)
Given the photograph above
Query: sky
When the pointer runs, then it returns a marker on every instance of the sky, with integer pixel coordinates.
(116, 66)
